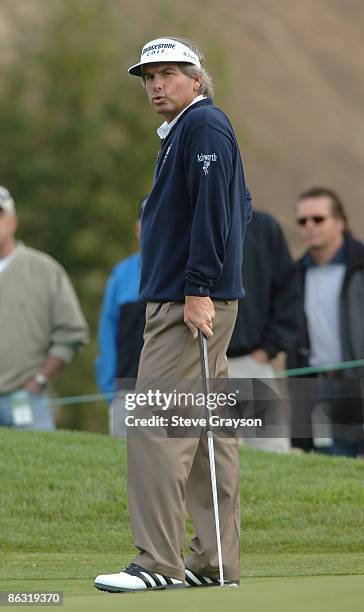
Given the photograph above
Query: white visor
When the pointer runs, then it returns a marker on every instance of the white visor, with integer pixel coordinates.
(163, 50)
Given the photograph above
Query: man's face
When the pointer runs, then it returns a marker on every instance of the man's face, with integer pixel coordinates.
(8, 225)
(318, 228)
(169, 90)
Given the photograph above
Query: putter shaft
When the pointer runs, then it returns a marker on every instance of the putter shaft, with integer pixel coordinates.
(210, 442)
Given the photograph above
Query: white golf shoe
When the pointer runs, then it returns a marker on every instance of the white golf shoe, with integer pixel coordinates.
(196, 580)
(136, 578)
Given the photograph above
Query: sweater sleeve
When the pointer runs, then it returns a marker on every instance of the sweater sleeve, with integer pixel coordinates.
(69, 328)
(209, 166)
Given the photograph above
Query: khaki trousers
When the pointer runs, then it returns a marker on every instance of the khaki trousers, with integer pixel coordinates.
(168, 477)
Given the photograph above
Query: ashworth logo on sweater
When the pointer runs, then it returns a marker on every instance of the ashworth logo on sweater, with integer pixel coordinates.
(206, 160)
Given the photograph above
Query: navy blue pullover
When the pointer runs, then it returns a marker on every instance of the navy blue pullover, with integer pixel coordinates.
(193, 223)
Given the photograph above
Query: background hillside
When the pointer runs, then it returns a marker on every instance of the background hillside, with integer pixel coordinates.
(292, 83)
(294, 90)
(289, 73)
(78, 139)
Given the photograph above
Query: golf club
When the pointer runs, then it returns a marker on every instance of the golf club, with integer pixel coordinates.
(210, 442)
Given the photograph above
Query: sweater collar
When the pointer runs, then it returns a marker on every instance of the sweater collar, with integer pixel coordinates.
(165, 128)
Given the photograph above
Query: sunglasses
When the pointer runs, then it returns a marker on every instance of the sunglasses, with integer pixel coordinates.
(317, 219)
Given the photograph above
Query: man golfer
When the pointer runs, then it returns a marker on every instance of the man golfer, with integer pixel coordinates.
(192, 234)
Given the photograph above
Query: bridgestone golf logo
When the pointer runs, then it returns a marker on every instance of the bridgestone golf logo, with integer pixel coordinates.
(160, 48)
(206, 161)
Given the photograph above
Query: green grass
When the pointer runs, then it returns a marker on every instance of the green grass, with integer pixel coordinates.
(313, 594)
(63, 517)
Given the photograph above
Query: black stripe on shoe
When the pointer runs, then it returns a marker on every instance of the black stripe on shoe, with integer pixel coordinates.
(153, 576)
(196, 580)
(134, 570)
(150, 579)
(141, 572)
(190, 581)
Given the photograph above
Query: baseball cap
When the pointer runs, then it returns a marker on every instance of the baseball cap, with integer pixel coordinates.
(164, 50)
(6, 201)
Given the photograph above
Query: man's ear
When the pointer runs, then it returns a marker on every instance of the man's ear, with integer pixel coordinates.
(197, 84)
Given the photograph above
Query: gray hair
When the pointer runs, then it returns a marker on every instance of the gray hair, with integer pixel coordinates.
(192, 71)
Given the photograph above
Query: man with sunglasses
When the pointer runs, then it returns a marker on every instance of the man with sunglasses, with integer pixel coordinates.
(331, 278)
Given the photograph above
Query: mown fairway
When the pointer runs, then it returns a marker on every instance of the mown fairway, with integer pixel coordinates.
(64, 519)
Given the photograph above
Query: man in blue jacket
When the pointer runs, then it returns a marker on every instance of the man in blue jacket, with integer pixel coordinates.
(121, 324)
(192, 237)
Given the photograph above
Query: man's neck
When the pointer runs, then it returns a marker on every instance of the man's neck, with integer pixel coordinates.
(323, 255)
(7, 248)
(169, 118)
(165, 128)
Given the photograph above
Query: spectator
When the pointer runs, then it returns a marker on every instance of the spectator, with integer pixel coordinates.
(266, 324)
(41, 326)
(331, 275)
(121, 323)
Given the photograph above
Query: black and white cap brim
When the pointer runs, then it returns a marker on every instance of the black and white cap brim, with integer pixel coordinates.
(164, 50)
